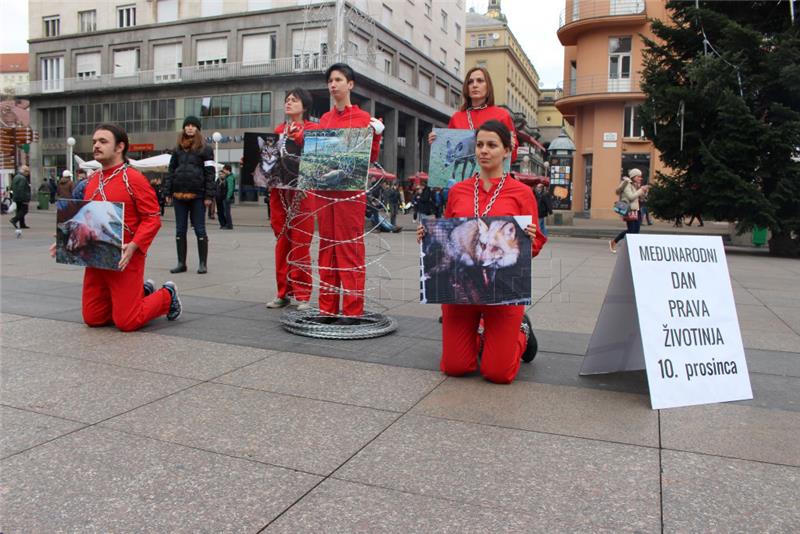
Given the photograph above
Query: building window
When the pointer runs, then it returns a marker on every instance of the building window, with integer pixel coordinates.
(167, 62)
(425, 83)
(428, 10)
(481, 63)
(212, 52)
(409, 32)
(52, 26)
(406, 72)
(134, 116)
(457, 67)
(481, 40)
(126, 62)
(444, 21)
(126, 16)
(87, 66)
(248, 110)
(619, 57)
(633, 125)
(166, 10)
(210, 8)
(428, 46)
(443, 60)
(308, 46)
(259, 48)
(87, 21)
(386, 16)
(458, 33)
(52, 73)
(54, 123)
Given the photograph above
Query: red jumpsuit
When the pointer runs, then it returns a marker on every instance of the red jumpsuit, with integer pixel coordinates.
(340, 218)
(504, 343)
(114, 296)
(479, 116)
(293, 243)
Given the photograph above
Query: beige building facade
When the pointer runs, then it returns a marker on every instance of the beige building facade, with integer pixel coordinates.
(601, 94)
(549, 119)
(491, 44)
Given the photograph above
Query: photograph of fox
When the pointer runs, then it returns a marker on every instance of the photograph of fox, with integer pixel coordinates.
(336, 159)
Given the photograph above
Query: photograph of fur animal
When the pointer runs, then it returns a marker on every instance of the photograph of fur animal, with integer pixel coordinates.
(89, 233)
(336, 159)
(476, 261)
(270, 160)
(453, 157)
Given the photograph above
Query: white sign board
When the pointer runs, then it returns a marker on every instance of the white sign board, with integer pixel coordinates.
(676, 318)
(609, 136)
(608, 144)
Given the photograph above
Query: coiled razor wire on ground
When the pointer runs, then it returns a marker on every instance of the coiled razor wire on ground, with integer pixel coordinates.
(312, 322)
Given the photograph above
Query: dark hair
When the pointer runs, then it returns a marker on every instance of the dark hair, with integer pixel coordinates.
(120, 136)
(305, 97)
(465, 88)
(344, 68)
(497, 127)
(227, 167)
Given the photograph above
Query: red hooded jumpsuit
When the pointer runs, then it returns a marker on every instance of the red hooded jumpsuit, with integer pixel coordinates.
(114, 296)
(340, 218)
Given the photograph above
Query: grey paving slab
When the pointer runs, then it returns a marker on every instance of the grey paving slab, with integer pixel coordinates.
(791, 316)
(776, 392)
(77, 389)
(773, 362)
(348, 382)
(98, 480)
(188, 358)
(338, 506)
(565, 483)
(563, 369)
(585, 413)
(736, 431)
(10, 318)
(281, 430)
(785, 297)
(710, 494)
(59, 337)
(35, 305)
(20, 429)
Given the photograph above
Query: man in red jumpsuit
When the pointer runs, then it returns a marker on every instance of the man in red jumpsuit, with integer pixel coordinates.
(121, 296)
(340, 214)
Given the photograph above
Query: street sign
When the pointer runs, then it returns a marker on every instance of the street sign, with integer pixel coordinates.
(676, 318)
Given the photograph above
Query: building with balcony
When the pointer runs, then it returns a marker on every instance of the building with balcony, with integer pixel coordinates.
(491, 44)
(601, 94)
(146, 64)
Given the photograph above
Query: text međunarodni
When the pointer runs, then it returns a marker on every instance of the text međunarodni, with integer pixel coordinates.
(678, 254)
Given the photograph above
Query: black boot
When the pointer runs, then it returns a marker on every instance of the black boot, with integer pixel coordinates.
(202, 253)
(180, 245)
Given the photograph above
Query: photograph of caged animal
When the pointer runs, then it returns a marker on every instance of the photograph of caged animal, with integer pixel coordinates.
(89, 233)
(476, 261)
(335, 159)
(264, 172)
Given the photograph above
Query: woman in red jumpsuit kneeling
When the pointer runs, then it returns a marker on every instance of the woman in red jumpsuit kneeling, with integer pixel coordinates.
(489, 193)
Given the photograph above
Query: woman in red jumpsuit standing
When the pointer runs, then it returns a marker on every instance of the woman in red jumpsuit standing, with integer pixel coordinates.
(293, 245)
(478, 107)
(340, 214)
(506, 327)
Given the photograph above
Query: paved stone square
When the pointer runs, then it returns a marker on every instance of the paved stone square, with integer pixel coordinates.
(224, 422)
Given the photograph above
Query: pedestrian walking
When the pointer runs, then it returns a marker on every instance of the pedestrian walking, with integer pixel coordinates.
(544, 203)
(21, 195)
(630, 190)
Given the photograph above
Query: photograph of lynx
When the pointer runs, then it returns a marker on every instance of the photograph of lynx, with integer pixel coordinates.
(483, 260)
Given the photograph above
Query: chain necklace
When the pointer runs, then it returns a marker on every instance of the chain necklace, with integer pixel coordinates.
(491, 200)
(469, 115)
(103, 180)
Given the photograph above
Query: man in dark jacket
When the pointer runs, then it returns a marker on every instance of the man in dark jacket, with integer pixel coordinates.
(426, 205)
(21, 191)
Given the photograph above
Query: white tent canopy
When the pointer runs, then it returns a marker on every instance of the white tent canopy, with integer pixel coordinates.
(156, 163)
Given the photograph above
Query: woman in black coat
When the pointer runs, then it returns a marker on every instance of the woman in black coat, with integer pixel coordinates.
(190, 188)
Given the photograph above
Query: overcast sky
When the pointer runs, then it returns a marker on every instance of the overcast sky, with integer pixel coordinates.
(534, 23)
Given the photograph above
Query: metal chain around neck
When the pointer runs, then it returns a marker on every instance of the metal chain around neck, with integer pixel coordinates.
(491, 200)
(469, 115)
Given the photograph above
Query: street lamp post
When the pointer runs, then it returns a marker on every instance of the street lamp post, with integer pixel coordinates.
(71, 144)
(216, 137)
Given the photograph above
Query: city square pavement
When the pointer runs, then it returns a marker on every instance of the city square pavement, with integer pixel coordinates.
(223, 422)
